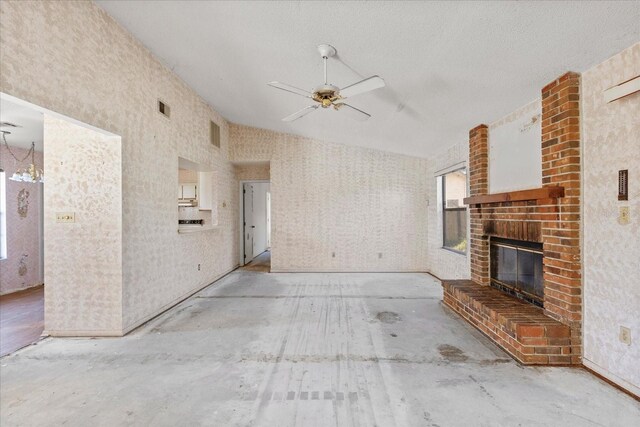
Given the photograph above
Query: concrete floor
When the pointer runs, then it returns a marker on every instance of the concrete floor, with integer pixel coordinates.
(265, 349)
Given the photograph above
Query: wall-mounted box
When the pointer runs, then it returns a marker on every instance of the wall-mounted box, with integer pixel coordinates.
(623, 89)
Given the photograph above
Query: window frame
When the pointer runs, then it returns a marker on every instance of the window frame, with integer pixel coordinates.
(445, 209)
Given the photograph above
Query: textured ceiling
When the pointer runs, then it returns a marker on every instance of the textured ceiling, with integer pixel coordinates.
(30, 122)
(448, 65)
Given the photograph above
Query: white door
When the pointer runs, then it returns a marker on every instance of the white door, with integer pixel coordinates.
(268, 219)
(248, 222)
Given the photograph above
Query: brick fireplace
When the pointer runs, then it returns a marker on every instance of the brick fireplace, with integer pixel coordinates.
(546, 328)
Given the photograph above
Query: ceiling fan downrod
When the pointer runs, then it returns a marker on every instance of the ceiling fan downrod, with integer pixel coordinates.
(326, 51)
(324, 58)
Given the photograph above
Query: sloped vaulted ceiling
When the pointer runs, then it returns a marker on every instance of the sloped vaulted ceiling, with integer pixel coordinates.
(448, 65)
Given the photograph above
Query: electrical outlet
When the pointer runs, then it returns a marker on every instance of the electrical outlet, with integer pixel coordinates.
(625, 335)
(623, 215)
(198, 267)
(65, 217)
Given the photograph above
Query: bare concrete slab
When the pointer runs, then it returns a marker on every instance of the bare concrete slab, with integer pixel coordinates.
(300, 350)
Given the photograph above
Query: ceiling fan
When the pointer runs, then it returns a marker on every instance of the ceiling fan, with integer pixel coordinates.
(328, 95)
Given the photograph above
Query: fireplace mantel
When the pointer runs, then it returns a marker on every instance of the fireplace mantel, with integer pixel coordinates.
(516, 196)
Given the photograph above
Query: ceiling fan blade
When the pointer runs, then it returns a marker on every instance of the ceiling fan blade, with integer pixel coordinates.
(353, 112)
(301, 113)
(366, 85)
(289, 88)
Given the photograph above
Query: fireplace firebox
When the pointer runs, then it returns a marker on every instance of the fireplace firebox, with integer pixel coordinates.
(516, 268)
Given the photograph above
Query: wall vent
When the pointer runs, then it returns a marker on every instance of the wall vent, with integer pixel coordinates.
(164, 109)
(215, 134)
(623, 184)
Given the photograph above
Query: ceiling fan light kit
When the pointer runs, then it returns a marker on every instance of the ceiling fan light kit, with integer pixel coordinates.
(327, 95)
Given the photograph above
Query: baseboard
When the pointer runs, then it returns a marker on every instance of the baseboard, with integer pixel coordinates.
(175, 302)
(26, 288)
(75, 334)
(614, 380)
(316, 270)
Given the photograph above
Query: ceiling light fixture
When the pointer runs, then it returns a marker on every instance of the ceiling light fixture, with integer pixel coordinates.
(31, 173)
(328, 95)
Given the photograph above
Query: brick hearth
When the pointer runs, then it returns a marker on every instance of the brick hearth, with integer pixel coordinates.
(549, 215)
(520, 328)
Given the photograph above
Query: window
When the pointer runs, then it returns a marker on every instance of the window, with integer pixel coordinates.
(454, 212)
(3, 216)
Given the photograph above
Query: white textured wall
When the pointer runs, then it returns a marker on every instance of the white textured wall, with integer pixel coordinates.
(254, 171)
(81, 63)
(329, 198)
(611, 141)
(83, 259)
(326, 198)
(515, 151)
(444, 263)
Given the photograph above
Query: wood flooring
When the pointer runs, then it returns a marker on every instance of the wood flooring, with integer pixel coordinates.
(21, 319)
(260, 263)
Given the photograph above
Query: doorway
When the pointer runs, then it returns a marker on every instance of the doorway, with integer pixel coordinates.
(46, 290)
(21, 225)
(255, 208)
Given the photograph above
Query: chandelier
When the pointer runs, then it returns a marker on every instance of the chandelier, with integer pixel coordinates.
(29, 174)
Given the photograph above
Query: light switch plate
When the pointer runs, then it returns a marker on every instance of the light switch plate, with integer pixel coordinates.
(65, 217)
(625, 335)
(623, 215)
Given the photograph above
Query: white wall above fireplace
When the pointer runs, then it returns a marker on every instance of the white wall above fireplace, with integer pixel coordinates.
(515, 152)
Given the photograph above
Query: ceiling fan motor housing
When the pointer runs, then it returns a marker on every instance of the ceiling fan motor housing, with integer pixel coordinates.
(326, 94)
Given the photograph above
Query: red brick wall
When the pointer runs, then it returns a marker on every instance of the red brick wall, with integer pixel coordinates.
(478, 185)
(561, 166)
